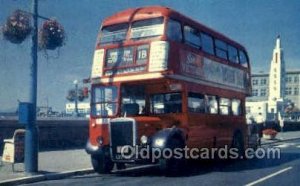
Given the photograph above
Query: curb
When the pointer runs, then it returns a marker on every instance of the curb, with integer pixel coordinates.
(44, 177)
(280, 140)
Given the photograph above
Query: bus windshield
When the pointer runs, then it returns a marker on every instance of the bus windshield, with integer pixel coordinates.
(133, 100)
(114, 33)
(147, 28)
(104, 101)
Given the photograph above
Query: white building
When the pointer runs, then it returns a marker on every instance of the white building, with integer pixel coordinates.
(256, 109)
(83, 108)
(274, 89)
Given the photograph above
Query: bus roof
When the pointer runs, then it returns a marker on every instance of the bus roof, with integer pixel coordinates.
(147, 12)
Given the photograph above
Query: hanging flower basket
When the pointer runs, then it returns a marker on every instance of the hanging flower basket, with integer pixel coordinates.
(71, 95)
(51, 35)
(269, 133)
(17, 27)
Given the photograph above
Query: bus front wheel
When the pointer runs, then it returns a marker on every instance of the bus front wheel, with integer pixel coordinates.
(172, 165)
(102, 164)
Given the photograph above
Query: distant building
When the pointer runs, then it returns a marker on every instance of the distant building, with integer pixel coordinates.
(43, 111)
(273, 91)
(260, 86)
(255, 109)
(83, 108)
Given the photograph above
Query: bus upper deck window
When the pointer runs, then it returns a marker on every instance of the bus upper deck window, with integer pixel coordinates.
(207, 43)
(147, 28)
(113, 33)
(192, 36)
(233, 54)
(174, 30)
(221, 49)
(243, 58)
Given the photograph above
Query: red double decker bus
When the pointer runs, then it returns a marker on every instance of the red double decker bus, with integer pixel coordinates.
(163, 80)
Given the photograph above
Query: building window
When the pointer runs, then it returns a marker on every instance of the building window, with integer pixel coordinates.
(254, 92)
(296, 79)
(263, 92)
(254, 82)
(288, 91)
(263, 81)
(296, 91)
(288, 79)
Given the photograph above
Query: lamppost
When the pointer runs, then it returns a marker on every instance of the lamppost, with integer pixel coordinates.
(28, 109)
(76, 97)
(31, 135)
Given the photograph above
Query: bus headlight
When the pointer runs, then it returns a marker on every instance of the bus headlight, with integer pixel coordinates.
(144, 139)
(159, 142)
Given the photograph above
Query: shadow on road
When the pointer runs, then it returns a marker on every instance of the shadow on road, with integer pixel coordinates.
(199, 167)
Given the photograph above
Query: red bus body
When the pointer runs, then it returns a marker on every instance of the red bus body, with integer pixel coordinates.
(150, 67)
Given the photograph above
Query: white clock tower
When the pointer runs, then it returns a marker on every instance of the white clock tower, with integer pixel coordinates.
(277, 81)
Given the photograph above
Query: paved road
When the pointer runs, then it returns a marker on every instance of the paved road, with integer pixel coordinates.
(282, 171)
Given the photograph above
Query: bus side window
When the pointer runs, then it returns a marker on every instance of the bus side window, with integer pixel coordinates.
(225, 106)
(207, 43)
(236, 107)
(174, 31)
(212, 104)
(196, 103)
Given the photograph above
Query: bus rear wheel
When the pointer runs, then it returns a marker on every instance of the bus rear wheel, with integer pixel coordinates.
(238, 145)
(102, 164)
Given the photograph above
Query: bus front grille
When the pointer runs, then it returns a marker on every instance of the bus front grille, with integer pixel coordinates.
(122, 136)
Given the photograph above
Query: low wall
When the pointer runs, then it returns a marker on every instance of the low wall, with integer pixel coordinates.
(288, 126)
(53, 134)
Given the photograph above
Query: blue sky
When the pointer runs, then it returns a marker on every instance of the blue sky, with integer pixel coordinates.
(253, 23)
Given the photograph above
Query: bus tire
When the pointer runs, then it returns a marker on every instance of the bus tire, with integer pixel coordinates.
(238, 145)
(172, 166)
(102, 164)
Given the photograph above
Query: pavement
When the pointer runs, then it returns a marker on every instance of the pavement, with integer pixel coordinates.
(282, 136)
(52, 165)
(65, 163)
